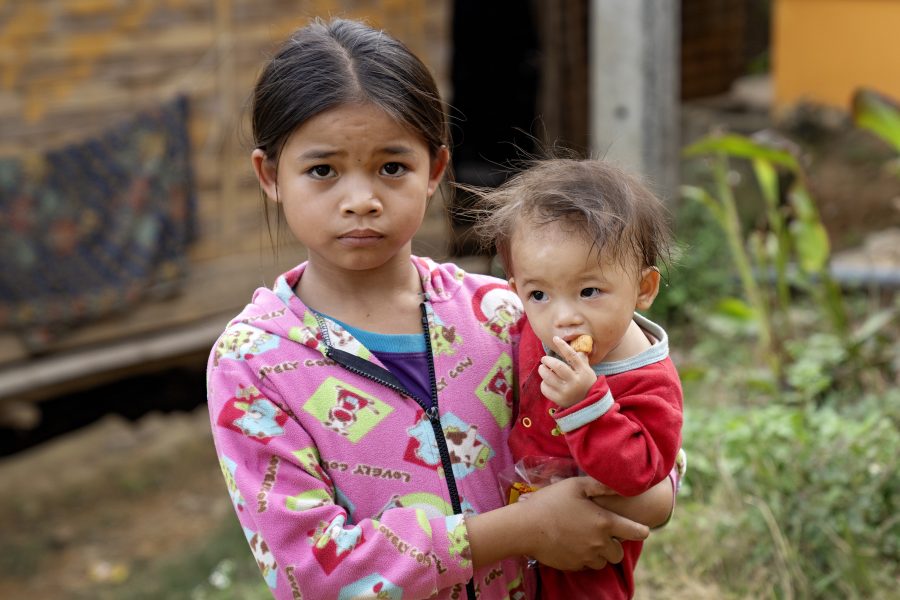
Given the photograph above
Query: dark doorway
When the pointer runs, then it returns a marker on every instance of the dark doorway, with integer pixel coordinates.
(494, 73)
(519, 75)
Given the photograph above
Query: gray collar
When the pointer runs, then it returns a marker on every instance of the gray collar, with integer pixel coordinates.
(655, 353)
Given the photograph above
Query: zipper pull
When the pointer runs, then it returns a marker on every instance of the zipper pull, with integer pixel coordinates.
(432, 414)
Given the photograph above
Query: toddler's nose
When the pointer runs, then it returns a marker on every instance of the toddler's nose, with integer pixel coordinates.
(567, 317)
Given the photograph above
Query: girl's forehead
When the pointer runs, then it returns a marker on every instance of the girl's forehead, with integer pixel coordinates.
(356, 114)
(355, 125)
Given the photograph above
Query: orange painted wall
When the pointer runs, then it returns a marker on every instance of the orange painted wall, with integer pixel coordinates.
(822, 50)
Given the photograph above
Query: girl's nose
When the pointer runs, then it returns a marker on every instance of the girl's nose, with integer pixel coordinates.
(361, 199)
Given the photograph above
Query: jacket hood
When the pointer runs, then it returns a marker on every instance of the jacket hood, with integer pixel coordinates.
(280, 312)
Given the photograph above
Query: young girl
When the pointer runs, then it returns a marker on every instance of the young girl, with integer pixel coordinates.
(360, 408)
(580, 240)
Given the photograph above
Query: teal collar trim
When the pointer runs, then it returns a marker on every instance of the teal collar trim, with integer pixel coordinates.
(384, 342)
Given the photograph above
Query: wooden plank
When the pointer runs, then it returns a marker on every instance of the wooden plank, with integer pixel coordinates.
(212, 287)
(44, 376)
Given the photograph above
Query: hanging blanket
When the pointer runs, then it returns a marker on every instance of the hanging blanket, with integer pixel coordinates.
(97, 226)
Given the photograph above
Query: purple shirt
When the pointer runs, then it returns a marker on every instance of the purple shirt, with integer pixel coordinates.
(404, 355)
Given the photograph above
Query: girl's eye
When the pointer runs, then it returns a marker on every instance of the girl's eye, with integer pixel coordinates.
(590, 292)
(537, 296)
(321, 171)
(393, 169)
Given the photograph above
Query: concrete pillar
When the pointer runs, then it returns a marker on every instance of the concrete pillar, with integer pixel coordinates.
(634, 87)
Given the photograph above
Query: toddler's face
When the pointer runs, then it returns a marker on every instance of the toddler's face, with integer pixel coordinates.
(567, 292)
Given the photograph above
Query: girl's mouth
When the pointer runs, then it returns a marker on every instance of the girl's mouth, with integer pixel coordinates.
(360, 237)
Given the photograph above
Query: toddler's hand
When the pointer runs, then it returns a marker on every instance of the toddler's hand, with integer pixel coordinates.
(566, 382)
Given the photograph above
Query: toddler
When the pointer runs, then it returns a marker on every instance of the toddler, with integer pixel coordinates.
(580, 240)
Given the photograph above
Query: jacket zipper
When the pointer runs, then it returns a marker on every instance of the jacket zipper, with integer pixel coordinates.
(431, 412)
(435, 420)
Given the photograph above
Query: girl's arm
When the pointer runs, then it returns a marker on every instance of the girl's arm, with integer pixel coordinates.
(559, 526)
(300, 530)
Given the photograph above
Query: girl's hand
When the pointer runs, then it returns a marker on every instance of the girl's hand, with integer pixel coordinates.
(566, 382)
(567, 531)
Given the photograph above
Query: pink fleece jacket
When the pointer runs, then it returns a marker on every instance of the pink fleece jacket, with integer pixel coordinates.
(344, 485)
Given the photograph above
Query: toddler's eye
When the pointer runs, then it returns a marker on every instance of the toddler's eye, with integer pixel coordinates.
(321, 171)
(537, 296)
(591, 292)
(393, 169)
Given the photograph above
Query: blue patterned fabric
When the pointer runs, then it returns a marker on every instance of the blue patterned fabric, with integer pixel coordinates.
(94, 227)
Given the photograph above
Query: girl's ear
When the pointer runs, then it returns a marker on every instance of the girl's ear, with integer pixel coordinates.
(266, 174)
(649, 288)
(438, 168)
(512, 285)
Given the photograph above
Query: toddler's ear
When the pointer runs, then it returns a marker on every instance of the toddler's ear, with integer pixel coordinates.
(512, 285)
(266, 174)
(649, 288)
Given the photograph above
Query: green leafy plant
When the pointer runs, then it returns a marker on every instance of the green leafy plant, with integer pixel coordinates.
(878, 114)
(789, 250)
(807, 495)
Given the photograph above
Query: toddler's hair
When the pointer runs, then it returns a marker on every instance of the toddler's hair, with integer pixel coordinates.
(614, 209)
(327, 64)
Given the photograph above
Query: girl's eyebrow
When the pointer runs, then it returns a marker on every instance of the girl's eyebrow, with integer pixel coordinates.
(317, 154)
(321, 154)
(396, 150)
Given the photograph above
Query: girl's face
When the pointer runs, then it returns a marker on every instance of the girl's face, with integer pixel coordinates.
(353, 184)
(567, 292)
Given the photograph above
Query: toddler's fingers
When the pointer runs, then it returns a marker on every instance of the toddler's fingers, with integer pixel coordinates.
(554, 363)
(553, 369)
(564, 349)
(568, 353)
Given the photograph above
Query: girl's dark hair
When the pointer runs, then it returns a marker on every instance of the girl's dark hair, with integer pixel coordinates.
(614, 209)
(330, 63)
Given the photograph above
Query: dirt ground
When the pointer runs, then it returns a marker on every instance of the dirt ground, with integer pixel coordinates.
(88, 514)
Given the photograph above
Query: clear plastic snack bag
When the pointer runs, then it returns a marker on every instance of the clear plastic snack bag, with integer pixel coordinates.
(534, 472)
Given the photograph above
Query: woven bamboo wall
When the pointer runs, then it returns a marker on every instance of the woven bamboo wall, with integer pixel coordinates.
(69, 68)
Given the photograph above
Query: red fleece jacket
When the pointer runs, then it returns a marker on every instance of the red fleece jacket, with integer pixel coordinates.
(625, 433)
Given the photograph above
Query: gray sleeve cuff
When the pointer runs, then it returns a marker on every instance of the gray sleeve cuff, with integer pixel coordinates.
(585, 415)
